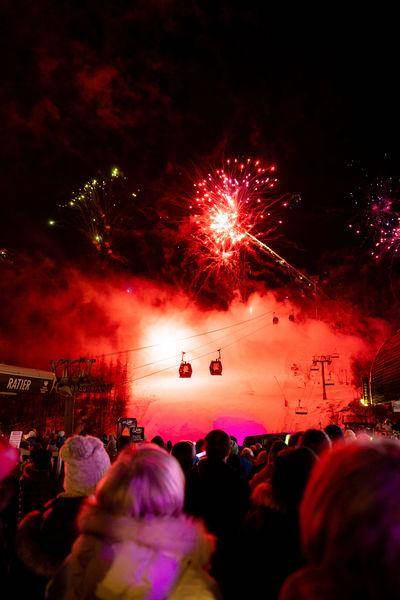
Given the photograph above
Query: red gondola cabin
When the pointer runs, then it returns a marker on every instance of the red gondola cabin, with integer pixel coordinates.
(185, 368)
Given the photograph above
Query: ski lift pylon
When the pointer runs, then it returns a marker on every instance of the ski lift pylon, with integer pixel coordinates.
(185, 368)
(216, 365)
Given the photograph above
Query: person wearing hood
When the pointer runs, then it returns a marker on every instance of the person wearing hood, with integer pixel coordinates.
(135, 541)
(45, 536)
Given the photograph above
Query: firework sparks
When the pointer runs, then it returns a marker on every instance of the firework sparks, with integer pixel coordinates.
(101, 209)
(379, 217)
(235, 212)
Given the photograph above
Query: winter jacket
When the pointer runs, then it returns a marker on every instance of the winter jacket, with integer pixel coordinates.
(37, 486)
(45, 537)
(127, 559)
(219, 495)
(270, 545)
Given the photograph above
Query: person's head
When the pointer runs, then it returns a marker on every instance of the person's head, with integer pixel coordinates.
(294, 439)
(9, 459)
(234, 446)
(158, 441)
(41, 459)
(276, 447)
(122, 442)
(200, 446)
(291, 472)
(247, 453)
(350, 518)
(335, 433)
(145, 481)
(317, 440)
(218, 444)
(85, 463)
(184, 454)
(349, 436)
(168, 446)
(262, 458)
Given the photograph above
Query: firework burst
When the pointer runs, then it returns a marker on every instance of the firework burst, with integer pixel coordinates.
(236, 212)
(378, 222)
(101, 209)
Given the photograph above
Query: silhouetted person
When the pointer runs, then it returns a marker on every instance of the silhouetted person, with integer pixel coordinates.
(45, 536)
(158, 441)
(294, 439)
(318, 441)
(335, 433)
(9, 459)
(270, 534)
(264, 475)
(200, 446)
(37, 484)
(219, 495)
(185, 455)
(350, 523)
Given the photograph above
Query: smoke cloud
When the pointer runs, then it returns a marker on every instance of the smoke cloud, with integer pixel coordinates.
(266, 385)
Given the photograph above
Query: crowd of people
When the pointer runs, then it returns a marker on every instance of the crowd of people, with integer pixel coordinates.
(316, 518)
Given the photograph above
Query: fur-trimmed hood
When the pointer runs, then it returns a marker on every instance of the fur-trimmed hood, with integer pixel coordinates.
(121, 558)
(175, 536)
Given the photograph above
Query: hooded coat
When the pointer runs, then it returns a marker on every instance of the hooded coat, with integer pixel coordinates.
(148, 559)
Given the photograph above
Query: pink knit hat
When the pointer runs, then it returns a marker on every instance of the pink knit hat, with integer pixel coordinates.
(85, 463)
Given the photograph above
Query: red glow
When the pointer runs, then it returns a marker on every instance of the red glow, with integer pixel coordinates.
(265, 366)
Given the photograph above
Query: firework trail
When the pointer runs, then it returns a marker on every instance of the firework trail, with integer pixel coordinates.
(236, 213)
(102, 210)
(378, 219)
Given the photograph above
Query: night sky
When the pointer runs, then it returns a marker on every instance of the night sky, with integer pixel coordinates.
(159, 87)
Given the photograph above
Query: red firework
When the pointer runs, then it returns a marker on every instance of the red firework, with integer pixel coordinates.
(235, 212)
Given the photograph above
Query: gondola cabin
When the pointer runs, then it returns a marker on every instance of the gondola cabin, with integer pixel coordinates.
(185, 368)
(216, 367)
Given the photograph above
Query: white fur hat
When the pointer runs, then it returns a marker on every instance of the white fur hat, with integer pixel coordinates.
(85, 462)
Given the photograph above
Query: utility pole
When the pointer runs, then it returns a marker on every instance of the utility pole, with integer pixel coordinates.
(323, 360)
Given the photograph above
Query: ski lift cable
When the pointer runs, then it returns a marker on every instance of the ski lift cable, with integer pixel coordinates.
(185, 338)
(177, 354)
(200, 356)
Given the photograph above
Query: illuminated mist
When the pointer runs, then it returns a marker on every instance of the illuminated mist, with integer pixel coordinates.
(266, 367)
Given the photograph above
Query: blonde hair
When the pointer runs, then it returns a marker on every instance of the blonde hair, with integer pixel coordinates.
(144, 481)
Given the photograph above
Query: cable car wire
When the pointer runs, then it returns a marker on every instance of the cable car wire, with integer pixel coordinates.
(173, 356)
(185, 338)
(200, 356)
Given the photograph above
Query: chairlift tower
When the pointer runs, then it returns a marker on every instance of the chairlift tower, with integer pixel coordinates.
(322, 361)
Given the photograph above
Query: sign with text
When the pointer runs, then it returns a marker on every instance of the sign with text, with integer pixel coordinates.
(15, 384)
(15, 438)
(137, 434)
